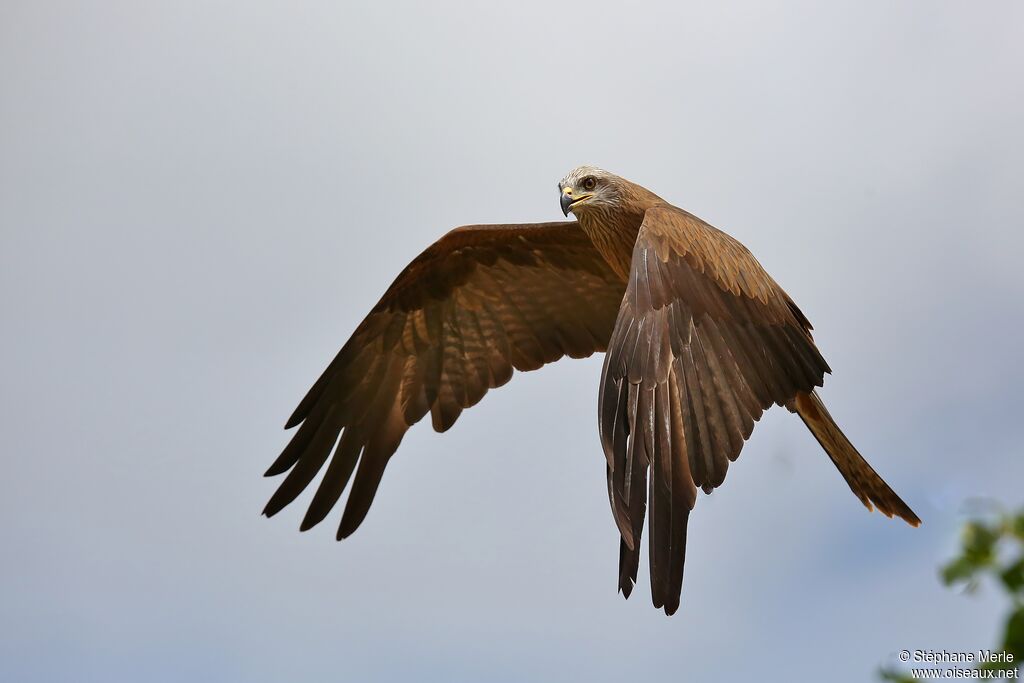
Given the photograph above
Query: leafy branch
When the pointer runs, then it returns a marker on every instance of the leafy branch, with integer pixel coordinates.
(991, 548)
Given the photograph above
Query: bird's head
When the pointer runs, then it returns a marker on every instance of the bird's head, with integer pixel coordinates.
(587, 188)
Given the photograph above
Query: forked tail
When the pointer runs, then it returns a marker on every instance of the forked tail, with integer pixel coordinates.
(861, 477)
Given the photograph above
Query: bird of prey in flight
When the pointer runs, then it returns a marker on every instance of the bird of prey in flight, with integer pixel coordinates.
(699, 341)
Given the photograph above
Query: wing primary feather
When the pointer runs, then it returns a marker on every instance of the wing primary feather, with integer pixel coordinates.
(296, 447)
(683, 499)
(702, 464)
(629, 564)
(746, 400)
(660, 497)
(339, 471)
(368, 476)
(720, 382)
(717, 445)
(309, 464)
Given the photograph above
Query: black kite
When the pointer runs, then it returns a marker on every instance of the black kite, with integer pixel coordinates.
(700, 341)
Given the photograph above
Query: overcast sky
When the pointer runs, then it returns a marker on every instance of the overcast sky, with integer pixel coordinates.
(200, 201)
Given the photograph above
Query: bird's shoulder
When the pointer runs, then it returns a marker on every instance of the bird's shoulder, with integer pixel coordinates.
(674, 233)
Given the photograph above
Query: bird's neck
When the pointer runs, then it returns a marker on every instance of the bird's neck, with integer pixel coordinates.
(613, 234)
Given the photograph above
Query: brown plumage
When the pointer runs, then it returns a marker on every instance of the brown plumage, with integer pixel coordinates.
(700, 341)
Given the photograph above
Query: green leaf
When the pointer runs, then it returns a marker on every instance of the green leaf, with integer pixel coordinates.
(1017, 525)
(980, 542)
(1013, 641)
(983, 546)
(895, 676)
(960, 569)
(1013, 576)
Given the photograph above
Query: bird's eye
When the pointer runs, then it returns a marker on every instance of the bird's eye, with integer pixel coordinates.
(589, 183)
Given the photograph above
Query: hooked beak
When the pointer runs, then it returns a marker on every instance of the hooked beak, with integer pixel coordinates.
(566, 201)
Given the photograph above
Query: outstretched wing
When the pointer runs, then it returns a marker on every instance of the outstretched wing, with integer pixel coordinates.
(480, 302)
(705, 341)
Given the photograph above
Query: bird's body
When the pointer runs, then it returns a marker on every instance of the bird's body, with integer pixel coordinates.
(700, 340)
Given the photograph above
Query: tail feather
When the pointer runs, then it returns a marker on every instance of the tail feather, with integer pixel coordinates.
(862, 478)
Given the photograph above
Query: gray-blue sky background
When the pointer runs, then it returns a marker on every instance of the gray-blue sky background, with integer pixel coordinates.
(199, 201)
